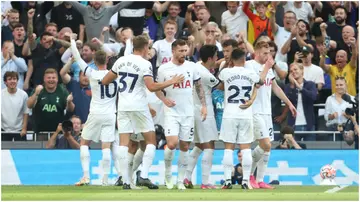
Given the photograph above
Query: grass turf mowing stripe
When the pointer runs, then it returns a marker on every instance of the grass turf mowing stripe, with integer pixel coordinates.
(336, 189)
(116, 193)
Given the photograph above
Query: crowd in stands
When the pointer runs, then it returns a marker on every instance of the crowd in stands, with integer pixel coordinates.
(313, 43)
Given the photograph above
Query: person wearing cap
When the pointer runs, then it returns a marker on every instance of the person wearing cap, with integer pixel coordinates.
(312, 72)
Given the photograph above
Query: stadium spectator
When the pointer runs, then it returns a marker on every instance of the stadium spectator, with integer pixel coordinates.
(260, 22)
(64, 15)
(133, 15)
(151, 24)
(335, 106)
(162, 48)
(38, 10)
(234, 19)
(97, 16)
(302, 9)
(49, 103)
(10, 62)
(14, 112)
(5, 7)
(6, 31)
(281, 34)
(197, 28)
(288, 141)
(19, 39)
(327, 11)
(68, 139)
(351, 131)
(343, 68)
(80, 89)
(297, 40)
(334, 29)
(173, 14)
(196, 15)
(302, 94)
(312, 72)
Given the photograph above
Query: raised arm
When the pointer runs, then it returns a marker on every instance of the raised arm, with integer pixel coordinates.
(79, 7)
(355, 54)
(158, 7)
(273, 25)
(322, 64)
(76, 55)
(286, 47)
(66, 78)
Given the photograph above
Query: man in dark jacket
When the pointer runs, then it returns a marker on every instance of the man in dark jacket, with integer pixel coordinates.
(302, 95)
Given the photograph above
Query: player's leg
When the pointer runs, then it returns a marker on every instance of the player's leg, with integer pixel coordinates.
(207, 137)
(148, 157)
(186, 136)
(106, 162)
(138, 157)
(244, 138)
(195, 152)
(85, 162)
(228, 135)
(172, 129)
(125, 129)
(265, 144)
(133, 146)
(206, 165)
(114, 151)
(257, 153)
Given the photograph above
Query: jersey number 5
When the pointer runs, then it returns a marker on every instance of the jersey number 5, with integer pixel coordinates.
(233, 98)
(123, 75)
(104, 90)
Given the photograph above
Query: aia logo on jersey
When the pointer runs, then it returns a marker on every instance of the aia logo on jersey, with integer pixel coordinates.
(165, 60)
(268, 82)
(186, 84)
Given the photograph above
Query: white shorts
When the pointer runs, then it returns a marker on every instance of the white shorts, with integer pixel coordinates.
(237, 131)
(181, 126)
(205, 131)
(263, 127)
(99, 127)
(137, 137)
(135, 122)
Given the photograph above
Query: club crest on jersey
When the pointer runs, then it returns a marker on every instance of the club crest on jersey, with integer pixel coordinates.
(188, 73)
(186, 84)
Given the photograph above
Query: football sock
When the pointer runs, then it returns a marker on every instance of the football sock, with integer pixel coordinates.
(115, 158)
(246, 164)
(206, 164)
(124, 163)
(148, 160)
(106, 156)
(168, 157)
(138, 158)
(228, 163)
(182, 165)
(130, 166)
(257, 153)
(193, 157)
(263, 163)
(85, 160)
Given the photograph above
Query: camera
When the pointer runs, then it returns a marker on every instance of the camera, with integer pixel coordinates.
(355, 104)
(67, 126)
(184, 35)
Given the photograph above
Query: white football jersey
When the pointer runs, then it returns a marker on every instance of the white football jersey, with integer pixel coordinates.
(238, 88)
(262, 103)
(163, 51)
(208, 82)
(132, 90)
(158, 106)
(103, 97)
(181, 93)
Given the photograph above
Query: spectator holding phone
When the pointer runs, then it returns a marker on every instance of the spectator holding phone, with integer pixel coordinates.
(288, 141)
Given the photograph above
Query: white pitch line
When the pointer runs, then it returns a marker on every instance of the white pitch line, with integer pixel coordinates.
(336, 189)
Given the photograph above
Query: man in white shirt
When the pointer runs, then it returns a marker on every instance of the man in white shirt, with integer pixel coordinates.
(281, 34)
(179, 109)
(14, 111)
(234, 19)
(205, 131)
(263, 125)
(162, 48)
(312, 72)
(302, 9)
(135, 75)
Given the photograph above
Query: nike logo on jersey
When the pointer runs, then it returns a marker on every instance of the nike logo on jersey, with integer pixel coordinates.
(43, 98)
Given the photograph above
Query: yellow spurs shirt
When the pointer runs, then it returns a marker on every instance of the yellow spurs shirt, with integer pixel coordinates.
(348, 72)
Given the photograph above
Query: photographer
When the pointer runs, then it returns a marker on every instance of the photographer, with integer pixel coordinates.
(70, 137)
(351, 129)
(288, 141)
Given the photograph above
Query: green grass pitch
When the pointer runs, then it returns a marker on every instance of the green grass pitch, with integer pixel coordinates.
(86, 193)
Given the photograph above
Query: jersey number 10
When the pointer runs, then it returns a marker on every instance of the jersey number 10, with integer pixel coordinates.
(104, 90)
